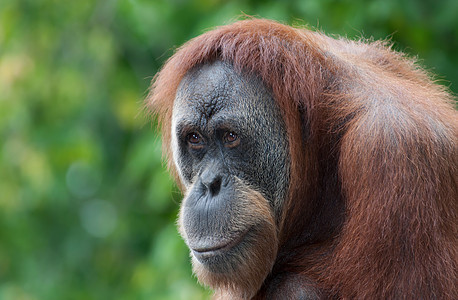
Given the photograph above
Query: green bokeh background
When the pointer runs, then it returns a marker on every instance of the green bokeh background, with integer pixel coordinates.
(87, 209)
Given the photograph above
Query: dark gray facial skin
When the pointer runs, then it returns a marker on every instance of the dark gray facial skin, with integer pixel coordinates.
(227, 135)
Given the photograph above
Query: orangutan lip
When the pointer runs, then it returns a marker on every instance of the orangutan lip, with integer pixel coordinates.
(222, 247)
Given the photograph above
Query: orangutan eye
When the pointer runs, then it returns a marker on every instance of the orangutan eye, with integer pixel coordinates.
(231, 139)
(195, 140)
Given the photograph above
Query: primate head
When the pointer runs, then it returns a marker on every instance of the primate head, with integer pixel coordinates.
(230, 148)
(311, 167)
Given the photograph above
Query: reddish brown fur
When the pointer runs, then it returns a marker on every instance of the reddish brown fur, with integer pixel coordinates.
(380, 139)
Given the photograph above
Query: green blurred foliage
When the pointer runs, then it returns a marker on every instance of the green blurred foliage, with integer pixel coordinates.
(87, 209)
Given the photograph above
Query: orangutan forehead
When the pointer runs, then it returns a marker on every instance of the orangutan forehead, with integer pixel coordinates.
(208, 89)
(213, 87)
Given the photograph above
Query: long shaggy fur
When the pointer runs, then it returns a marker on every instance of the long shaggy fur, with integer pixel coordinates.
(373, 202)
